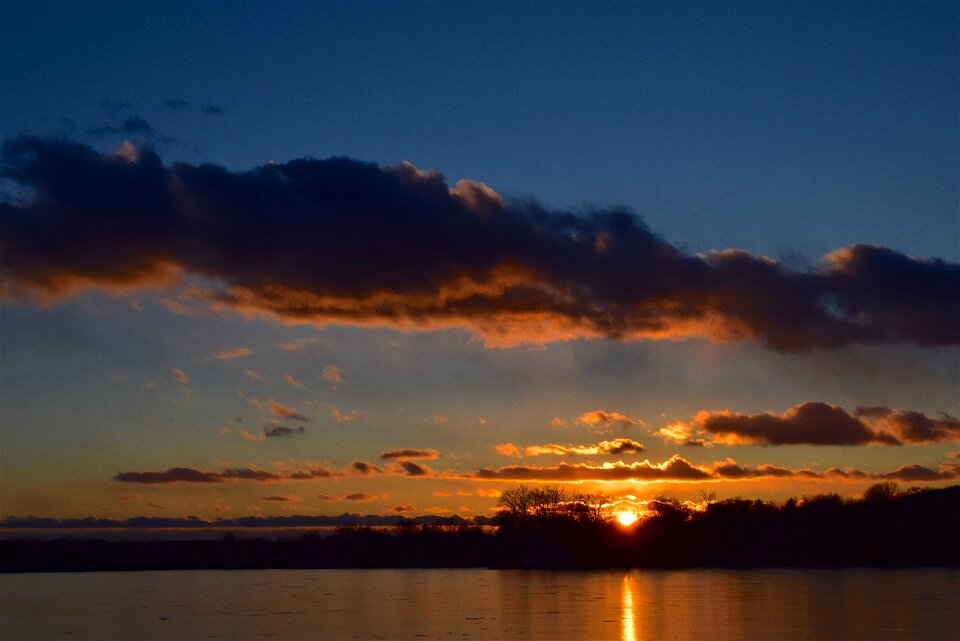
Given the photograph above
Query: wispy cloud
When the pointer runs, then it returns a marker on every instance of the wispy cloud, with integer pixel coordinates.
(180, 376)
(333, 375)
(408, 454)
(600, 418)
(230, 354)
(292, 382)
(278, 431)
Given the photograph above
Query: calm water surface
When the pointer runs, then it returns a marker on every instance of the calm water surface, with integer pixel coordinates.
(483, 604)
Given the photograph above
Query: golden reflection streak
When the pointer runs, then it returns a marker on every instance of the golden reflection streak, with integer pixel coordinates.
(629, 624)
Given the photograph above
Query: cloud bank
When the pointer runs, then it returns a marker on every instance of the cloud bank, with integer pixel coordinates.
(816, 423)
(340, 240)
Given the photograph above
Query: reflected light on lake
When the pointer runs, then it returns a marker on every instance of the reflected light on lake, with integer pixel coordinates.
(629, 624)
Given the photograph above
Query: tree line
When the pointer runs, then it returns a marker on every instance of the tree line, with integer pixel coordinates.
(553, 527)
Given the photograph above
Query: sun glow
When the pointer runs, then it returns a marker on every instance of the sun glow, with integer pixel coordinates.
(626, 518)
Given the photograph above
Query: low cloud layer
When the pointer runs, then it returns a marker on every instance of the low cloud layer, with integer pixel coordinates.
(340, 240)
(678, 468)
(815, 423)
(191, 475)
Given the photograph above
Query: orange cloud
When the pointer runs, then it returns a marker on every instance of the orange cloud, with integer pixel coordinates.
(292, 382)
(508, 449)
(230, 354)
(180, 376)
(333, 375)
(616, 446)
(600, 418)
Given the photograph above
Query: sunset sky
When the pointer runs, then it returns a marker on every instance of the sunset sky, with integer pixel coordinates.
(392, 258)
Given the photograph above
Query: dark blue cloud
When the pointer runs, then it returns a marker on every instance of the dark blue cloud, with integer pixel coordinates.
(340, 240)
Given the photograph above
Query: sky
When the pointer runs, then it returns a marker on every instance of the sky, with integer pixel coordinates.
(274, 259)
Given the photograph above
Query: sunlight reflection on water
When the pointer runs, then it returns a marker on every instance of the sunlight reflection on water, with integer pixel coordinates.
(319, 605)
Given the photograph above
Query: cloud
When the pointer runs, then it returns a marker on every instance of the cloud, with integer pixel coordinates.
(557, 422)
(404, 508)
(679, 469)
(912, 473)
(252, 375)
(508, 449)
(365, 468)
(278, 409)
(180, 376)
(913, 427)
(410, 454)
(616, 446)
(600, 418)
(230, 354)
(190, 475)
(342, 417)
(298, 344)
(816, 423)
(292, 382)
(359, 497)
(440, 419)
(284, 498)
(277, 431)
(434, 256)
(333, 375)
(247, 436)
(210, 110)
(413, 469)
(676, 468)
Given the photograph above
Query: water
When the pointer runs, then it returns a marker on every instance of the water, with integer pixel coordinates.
(483, 604)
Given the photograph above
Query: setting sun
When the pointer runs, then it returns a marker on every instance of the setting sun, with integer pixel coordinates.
(626, 517)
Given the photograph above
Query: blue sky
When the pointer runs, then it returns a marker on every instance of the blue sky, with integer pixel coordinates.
(787, 130)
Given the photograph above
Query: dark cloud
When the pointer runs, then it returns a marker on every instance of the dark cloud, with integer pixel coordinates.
(412, 469)
(365, 468)
(359, 497)
(340, 240)
(914, 427)
(190, 475)
(281, 430)
(210, 110)
(176, 104)
(810, 423)
(909, 473)
(282, 498)
(815, 423)
(408, 454)
(729, 469)
(403, 508)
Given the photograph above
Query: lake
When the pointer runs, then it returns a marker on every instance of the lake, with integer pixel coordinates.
(628, 605)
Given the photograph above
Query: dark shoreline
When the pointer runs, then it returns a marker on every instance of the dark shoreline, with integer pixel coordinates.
(913, 529)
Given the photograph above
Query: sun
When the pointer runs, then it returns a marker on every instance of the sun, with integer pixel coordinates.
(626, 517)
